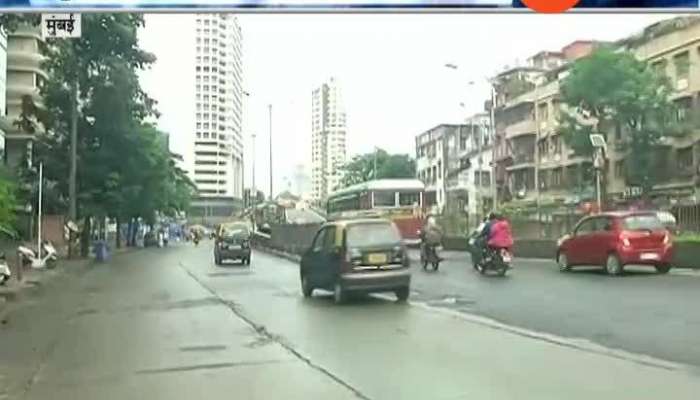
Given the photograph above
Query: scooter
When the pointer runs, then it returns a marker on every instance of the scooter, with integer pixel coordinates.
(48, 259)
(5, 273)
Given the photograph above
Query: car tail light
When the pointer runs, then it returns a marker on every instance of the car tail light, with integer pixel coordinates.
(397, 254)
(353, 256)
(667, 238)
(625, 242)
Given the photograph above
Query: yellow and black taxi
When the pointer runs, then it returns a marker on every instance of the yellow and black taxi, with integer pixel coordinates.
(360, 255)
(232, 242)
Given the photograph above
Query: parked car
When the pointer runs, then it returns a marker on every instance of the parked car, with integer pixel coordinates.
(232, 242)
(365, 255)
(616, 239)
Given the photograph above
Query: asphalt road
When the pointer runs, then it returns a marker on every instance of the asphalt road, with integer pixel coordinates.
(168, 324)
(641, 312)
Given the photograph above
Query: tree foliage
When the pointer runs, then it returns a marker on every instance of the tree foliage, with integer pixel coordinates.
(125, 170)
(362, 167)
(612, 91)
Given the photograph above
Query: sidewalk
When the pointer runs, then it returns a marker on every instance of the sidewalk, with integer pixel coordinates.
(13, 291)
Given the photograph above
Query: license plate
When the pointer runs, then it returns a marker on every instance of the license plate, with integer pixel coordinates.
(377, 258)
(649, 256)
(507, 257)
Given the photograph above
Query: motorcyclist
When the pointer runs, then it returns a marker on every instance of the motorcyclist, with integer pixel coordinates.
(431, 236)
(500, 235)
(481, 237)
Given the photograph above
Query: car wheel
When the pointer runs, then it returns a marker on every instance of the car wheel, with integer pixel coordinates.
(613, 265)
(306, 289)
(663, 268)
(339, 294)
(402, 294)
(563, 262)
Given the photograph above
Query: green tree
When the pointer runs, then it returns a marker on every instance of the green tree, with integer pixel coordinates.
(362, 167)
(611, 90)
(8, 200)
(125, 171)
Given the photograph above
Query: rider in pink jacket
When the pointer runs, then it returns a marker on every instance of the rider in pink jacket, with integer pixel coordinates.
(500, 235)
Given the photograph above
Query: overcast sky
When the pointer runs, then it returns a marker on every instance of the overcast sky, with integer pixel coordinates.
(390, 67)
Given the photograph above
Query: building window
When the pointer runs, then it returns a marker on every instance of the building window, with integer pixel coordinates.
(557, 177)
(620, 169)
(682, 64)
(685, 159)
(659, 67)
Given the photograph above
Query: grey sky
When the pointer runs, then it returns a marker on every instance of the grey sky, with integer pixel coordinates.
(391, 68)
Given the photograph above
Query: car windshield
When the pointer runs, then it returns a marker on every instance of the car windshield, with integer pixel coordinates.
(372, 235)
(642, 223)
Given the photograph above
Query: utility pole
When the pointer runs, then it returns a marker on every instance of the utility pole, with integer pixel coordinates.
(255, 191)
(537, 149)
(72, 184)
(269, 108)
(492, 129)
(375, 164)
(477, 182)
(41, 185)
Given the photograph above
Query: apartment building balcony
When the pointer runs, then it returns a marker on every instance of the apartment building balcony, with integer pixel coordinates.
(521, 161)
(522, 128)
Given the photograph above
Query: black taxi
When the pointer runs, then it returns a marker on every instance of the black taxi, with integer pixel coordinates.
(360, 255)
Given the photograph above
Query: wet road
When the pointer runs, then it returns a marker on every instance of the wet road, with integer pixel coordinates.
(641, 312)
(168, 324)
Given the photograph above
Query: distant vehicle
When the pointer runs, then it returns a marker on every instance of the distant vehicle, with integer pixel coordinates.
(5, 272)
(616, 239)
(400, 200)
(232, 242)
(363, 255)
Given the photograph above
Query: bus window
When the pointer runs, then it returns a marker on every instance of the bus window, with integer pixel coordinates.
(409, 199)
(385, 199)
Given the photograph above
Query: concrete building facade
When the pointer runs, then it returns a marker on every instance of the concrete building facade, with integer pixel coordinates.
(328, 139)
(218, 144)
(23, 78)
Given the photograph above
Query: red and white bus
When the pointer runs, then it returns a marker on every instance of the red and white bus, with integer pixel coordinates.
(401, 200)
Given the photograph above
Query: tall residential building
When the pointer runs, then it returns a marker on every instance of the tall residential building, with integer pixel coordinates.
(218, 144)
(4, 123)
(24, 76)
(328, 131)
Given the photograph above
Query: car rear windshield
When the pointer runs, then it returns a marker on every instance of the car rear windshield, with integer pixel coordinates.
(232, 231)
(642, 223)
(372, 235)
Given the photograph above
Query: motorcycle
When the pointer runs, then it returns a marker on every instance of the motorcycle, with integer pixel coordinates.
(428, 254)
(28, 256)
(5, 273)
(496, 260)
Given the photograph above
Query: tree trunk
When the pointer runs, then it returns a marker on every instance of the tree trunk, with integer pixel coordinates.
(85, 238)
(119, 234)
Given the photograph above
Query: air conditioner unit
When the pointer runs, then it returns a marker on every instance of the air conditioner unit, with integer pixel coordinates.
(682, 84)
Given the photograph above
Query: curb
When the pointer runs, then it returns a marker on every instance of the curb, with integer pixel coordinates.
(279, 253)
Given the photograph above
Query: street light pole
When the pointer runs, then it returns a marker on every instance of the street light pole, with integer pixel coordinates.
(269, 109)
(255, 191)
(537, 149)
(492, 130)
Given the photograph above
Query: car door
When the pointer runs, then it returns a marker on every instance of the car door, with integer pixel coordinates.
(576, 250)
(329, 259)
(311, 259)
(601, 239)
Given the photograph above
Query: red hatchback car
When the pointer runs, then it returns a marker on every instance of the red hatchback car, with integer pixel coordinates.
(615, 239)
